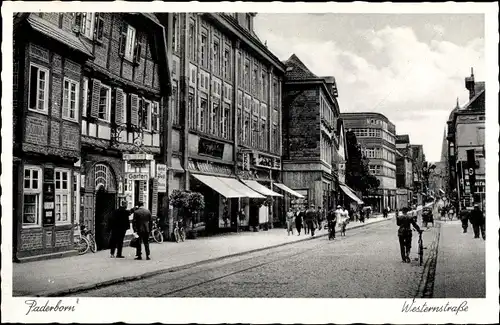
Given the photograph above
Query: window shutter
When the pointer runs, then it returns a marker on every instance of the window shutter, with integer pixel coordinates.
(77, 22)
(99, 27)
(96, 92)
(137, 53)
(119, 106)
(134, 109)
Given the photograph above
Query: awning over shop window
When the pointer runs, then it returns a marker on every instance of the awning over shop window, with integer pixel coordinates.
(217, 185)
(288, 190)
(261, 188)
(241, 188)
(350, 193)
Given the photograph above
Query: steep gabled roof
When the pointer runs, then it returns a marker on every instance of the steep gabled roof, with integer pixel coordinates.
(479, 88)
(297, 70)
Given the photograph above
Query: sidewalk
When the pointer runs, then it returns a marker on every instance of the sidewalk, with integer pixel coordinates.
(65, 275)
(460, 269)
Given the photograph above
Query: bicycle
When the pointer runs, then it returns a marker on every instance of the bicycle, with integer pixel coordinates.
(331, 229)
(90, 238)
(156, 233)
(82, 244)
(179, 232)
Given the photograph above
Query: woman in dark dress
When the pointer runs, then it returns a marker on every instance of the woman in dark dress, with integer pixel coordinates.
(298, 220)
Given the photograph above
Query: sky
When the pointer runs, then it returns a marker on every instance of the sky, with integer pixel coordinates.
(409, 67)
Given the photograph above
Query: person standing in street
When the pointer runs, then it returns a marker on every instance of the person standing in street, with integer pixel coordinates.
(464, 217)
(119, 224)
(385, 212)
(290, 216)
(405, 221)
(142, 224)
(311, 218)
(299, 220)
(476, 217)
(319, 218)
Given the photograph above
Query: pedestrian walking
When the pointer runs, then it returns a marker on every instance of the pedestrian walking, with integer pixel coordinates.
(477, 220)
(464, 217)
(142, 224)
(344, 220)
(299, 220)
(319, 218)
(310, 219)
(119, 224)
(385, 212)
(331, 218)
(290, 218)
(405, 222)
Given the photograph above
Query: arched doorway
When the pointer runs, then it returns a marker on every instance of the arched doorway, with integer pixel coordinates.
(105, 198)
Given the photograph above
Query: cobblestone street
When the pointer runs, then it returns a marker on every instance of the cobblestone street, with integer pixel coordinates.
(364, 263)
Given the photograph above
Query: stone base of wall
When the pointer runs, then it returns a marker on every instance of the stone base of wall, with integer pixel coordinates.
(65, 253)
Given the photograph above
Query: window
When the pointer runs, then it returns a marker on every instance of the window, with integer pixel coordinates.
(227, 64)
(32, 204)
(216, 58)
(225, 121)
(38, 92)
(104, 103)
(85, 96)
(239, 64)
(124, 109)
(264, 86)
(192, 111)
(201, 114)
(155, 116)
(70, 99)
(255, 77)
(203, 49)
(246, 129)
(145, 114)
(275, 140)
(214, 116)
(264, 135)
(175, 36)
(192, 40)
(130, 43)
(175, 106)
(88, 19)
(247, 74)
(76, 197)
(62, 196)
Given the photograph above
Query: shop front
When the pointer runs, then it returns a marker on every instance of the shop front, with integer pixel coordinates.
(349, 198)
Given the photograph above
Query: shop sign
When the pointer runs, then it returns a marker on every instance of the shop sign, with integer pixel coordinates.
(263, 161)
(210, 148)
(161, 175)
(137, 156)
(138, 176)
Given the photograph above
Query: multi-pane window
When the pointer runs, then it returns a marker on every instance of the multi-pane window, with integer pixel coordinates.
(255, 79)
(247, 74)
(227, 64)
(85, 96)
(87, 29)
(225, 121)
(175, 106)
(62, 196)
(70, 99)
(145, 114)
(203, 49)
(76, 197)
(38, 91)
(32, 204)
(201, 114)
(214, 116)
(192, 40)
(155, 117)
(130, 43)
(239, 65)
(255, 132)
(275, 139)
(192, 111)
(216, 57)
(104, 110)
(264, 86)
(175, 35)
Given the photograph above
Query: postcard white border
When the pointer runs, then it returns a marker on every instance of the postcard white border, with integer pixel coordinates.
(208, 310)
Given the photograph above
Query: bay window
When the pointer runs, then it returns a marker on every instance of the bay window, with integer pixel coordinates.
(70, 99)
(62, 196)
(38, 88)
(32, 196)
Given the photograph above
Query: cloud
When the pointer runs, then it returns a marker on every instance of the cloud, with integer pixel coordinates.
(414, 83)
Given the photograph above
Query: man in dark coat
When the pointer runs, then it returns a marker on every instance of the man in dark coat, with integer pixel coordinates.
(311, 216)
(464, 217)
(142, 224)
(405, 221)
(476, 218)
(119, 224)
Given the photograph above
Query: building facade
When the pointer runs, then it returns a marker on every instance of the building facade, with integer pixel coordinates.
(377, 137)
(466, 131)
(404, 171)
(225, 121)
(90, 90)
(311, 145)
(418, 176)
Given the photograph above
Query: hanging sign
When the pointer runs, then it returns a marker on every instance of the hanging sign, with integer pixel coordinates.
(161, 175)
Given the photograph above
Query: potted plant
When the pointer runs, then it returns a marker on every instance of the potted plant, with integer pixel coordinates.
(196, 204)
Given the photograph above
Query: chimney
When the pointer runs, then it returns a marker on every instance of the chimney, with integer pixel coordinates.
(470, 84)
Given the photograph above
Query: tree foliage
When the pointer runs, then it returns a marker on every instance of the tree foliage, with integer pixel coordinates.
(357, 169)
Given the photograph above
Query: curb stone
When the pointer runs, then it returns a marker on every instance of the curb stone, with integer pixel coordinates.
(65, 292)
